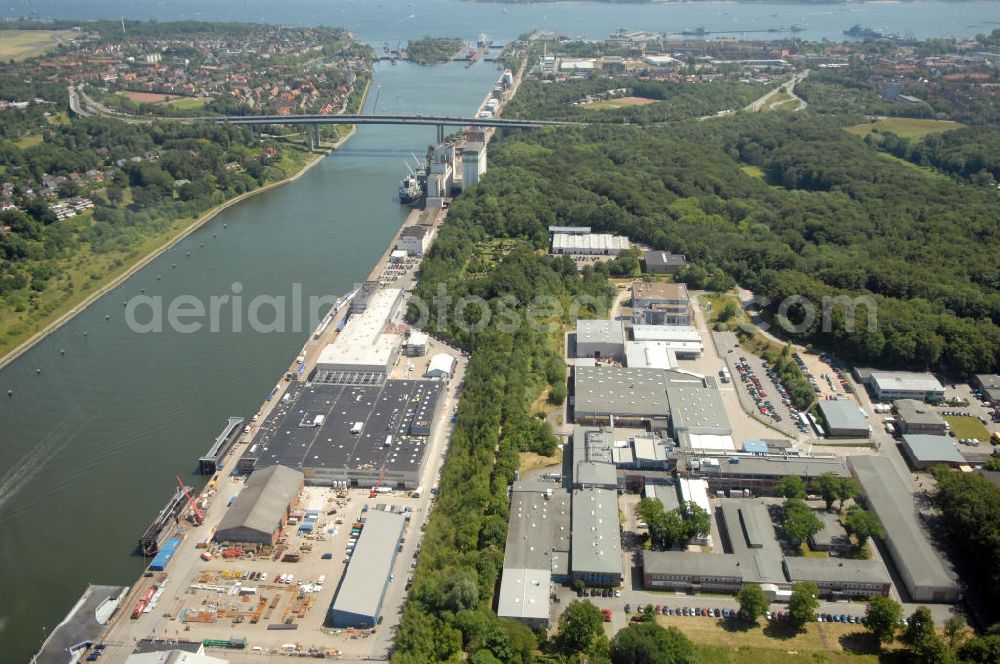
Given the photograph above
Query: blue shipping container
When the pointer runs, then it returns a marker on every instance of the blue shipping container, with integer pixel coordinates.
(165, 555)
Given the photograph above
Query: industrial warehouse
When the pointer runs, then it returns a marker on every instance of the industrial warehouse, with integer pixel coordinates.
(924, 573)
(350, 433)
(362, 589)
(261, 510)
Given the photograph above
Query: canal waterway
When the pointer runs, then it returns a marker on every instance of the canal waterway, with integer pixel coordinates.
(93, 437)
(91, 445)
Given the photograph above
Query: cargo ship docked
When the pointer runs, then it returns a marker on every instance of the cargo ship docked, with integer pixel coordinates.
(413, 187)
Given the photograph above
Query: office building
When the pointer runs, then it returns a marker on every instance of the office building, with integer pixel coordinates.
(915, 417)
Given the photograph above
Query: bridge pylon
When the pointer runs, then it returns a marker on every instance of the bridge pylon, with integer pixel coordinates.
(440, 134)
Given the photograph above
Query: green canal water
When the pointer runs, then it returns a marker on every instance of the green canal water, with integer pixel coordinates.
(90, 447)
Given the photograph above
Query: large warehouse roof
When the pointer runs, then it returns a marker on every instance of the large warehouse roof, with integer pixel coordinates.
(363, 586)
(843, 414)
(697, 409)
(539, 527)
(567, 243)
(596, 540)
(314, 426)
(623, 391)
(892, 501)
(264, 501)
(363, 341)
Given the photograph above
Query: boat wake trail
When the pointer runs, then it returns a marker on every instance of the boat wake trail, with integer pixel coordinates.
(18, 476)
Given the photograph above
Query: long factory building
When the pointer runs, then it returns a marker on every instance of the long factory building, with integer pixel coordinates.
(351, 424)
(358, 600)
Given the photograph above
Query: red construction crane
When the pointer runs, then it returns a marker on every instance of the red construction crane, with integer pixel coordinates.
(374, 492)
(199, 515)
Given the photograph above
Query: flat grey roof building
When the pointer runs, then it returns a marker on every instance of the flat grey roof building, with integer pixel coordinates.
(771, 467)
(524, 595)
(539, 525)
(661, 262)
(624, 392)
(600, 331)
(261, 507)
(916, 412)
(596, 554)
(926, 450)
(570, 230)
(695, 409)
(844, 418)
(685, 563)
(923, 569)
(359, 598)
(537, 550)
(891, 385)
(593, 458)
(750, 535)
(917, 417)
(836, 571)
(665, 493)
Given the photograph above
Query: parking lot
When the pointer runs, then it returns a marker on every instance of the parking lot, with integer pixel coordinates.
(743, 367)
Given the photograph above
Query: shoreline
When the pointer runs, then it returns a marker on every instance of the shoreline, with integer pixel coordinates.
(40, 335)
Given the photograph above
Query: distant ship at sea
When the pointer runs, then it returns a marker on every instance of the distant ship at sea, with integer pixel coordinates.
(862, 32)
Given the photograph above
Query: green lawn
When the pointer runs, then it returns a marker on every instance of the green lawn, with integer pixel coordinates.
(725, 641)
(966, 426)
(185, 103)
(906, 127)
(713, 654)
(24, 44)
(28, 141)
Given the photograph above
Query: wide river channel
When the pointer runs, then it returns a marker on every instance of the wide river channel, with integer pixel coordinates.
(103, 418)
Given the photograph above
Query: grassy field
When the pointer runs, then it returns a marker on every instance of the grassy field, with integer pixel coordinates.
(621, 102)
(966, 426)
(532, 461)
(722, 640)
(24, 44)
(752, 171)
(712, 654)
(28, 141)
(185, 103)
(906, 127)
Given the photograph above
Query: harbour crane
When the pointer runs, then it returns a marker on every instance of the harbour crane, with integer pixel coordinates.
(199, 514)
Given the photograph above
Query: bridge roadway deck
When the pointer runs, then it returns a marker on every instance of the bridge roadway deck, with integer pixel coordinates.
(384, 119)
